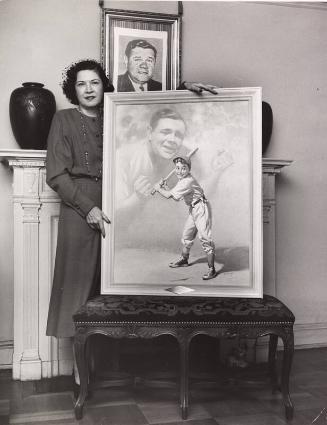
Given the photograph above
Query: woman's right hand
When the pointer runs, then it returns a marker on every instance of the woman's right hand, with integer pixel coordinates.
(95, 219)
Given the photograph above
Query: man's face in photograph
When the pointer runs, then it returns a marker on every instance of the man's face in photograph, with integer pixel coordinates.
(140, 64)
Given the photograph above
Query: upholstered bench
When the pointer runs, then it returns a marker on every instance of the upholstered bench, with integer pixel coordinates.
(123, 316)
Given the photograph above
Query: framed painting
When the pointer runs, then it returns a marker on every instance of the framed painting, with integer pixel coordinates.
(182, 188)
(140, 50)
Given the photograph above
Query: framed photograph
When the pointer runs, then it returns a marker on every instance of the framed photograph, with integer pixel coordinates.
(182, 188)
(141, 51)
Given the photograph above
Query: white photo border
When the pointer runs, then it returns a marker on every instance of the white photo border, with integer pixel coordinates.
(131, 33)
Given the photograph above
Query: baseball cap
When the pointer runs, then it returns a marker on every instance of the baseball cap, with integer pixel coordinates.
(182, 159)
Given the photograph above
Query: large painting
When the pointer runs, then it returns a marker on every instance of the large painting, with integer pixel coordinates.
(182, 187)
(141, 51)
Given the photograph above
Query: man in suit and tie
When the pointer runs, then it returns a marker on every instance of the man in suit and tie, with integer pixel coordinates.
(140, 59)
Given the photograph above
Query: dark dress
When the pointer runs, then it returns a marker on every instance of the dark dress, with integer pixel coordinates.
(75, 179)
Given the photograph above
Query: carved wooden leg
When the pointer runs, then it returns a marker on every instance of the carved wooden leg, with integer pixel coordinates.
(184, 370)
(81, 361)
(90, 366)
(273, 340)
(288, 340)
(90, 357)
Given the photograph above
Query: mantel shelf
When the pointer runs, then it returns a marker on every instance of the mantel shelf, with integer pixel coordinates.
(8, 155)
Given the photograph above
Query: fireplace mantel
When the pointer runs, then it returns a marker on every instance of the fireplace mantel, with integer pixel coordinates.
(36, 211)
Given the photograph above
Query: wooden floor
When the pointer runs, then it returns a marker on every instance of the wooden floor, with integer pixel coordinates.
(51, 401)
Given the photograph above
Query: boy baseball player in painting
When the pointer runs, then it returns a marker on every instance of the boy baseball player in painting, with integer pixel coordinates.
(199, 219)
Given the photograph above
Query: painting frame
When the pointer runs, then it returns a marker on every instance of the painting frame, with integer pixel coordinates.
(128, 252)
(134, 23)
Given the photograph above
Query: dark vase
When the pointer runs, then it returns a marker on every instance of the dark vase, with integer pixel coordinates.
(267, 125)
(31, 109)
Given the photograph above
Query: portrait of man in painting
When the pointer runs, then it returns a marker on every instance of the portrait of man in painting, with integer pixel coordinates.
(140, 60)
(150, 224)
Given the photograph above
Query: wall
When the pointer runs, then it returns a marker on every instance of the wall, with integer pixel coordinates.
(38, 39)
(281, 47)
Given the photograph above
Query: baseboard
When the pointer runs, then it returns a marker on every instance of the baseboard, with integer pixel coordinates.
(306, 335)
(310, 335)
(6, 353)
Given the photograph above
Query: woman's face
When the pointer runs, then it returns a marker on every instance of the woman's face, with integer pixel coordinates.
(89, 89)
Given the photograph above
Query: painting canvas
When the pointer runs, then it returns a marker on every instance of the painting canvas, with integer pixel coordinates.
(220, 137)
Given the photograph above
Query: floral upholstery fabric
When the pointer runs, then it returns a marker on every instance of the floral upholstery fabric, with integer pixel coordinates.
(128, 308)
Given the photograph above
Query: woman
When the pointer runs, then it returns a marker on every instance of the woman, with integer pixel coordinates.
(74, 171)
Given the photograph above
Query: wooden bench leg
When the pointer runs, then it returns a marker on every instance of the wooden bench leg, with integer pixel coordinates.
(81, 360)
(288, 340)
(273, 340)
(184, 370)
(90, 357)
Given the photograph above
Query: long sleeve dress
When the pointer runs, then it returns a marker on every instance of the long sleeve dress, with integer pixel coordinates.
(74, 167)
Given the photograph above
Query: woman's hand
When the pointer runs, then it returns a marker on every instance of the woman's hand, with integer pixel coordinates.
(95, 219)
(200, 87)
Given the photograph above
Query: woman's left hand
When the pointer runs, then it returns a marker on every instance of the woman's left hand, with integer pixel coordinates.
(200, 87)
(95, 219)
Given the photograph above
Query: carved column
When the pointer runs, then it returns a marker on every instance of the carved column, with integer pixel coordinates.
(26, 242)
(270, 168)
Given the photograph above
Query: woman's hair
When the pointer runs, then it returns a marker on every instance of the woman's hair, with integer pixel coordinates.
(70, 74)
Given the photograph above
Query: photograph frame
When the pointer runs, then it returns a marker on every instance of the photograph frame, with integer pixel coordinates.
(168, 24)
(242, 281)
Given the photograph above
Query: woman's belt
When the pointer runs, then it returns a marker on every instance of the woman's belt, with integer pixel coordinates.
(88, 177)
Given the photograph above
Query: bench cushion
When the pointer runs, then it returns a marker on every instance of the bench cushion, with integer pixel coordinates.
(131, 308)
